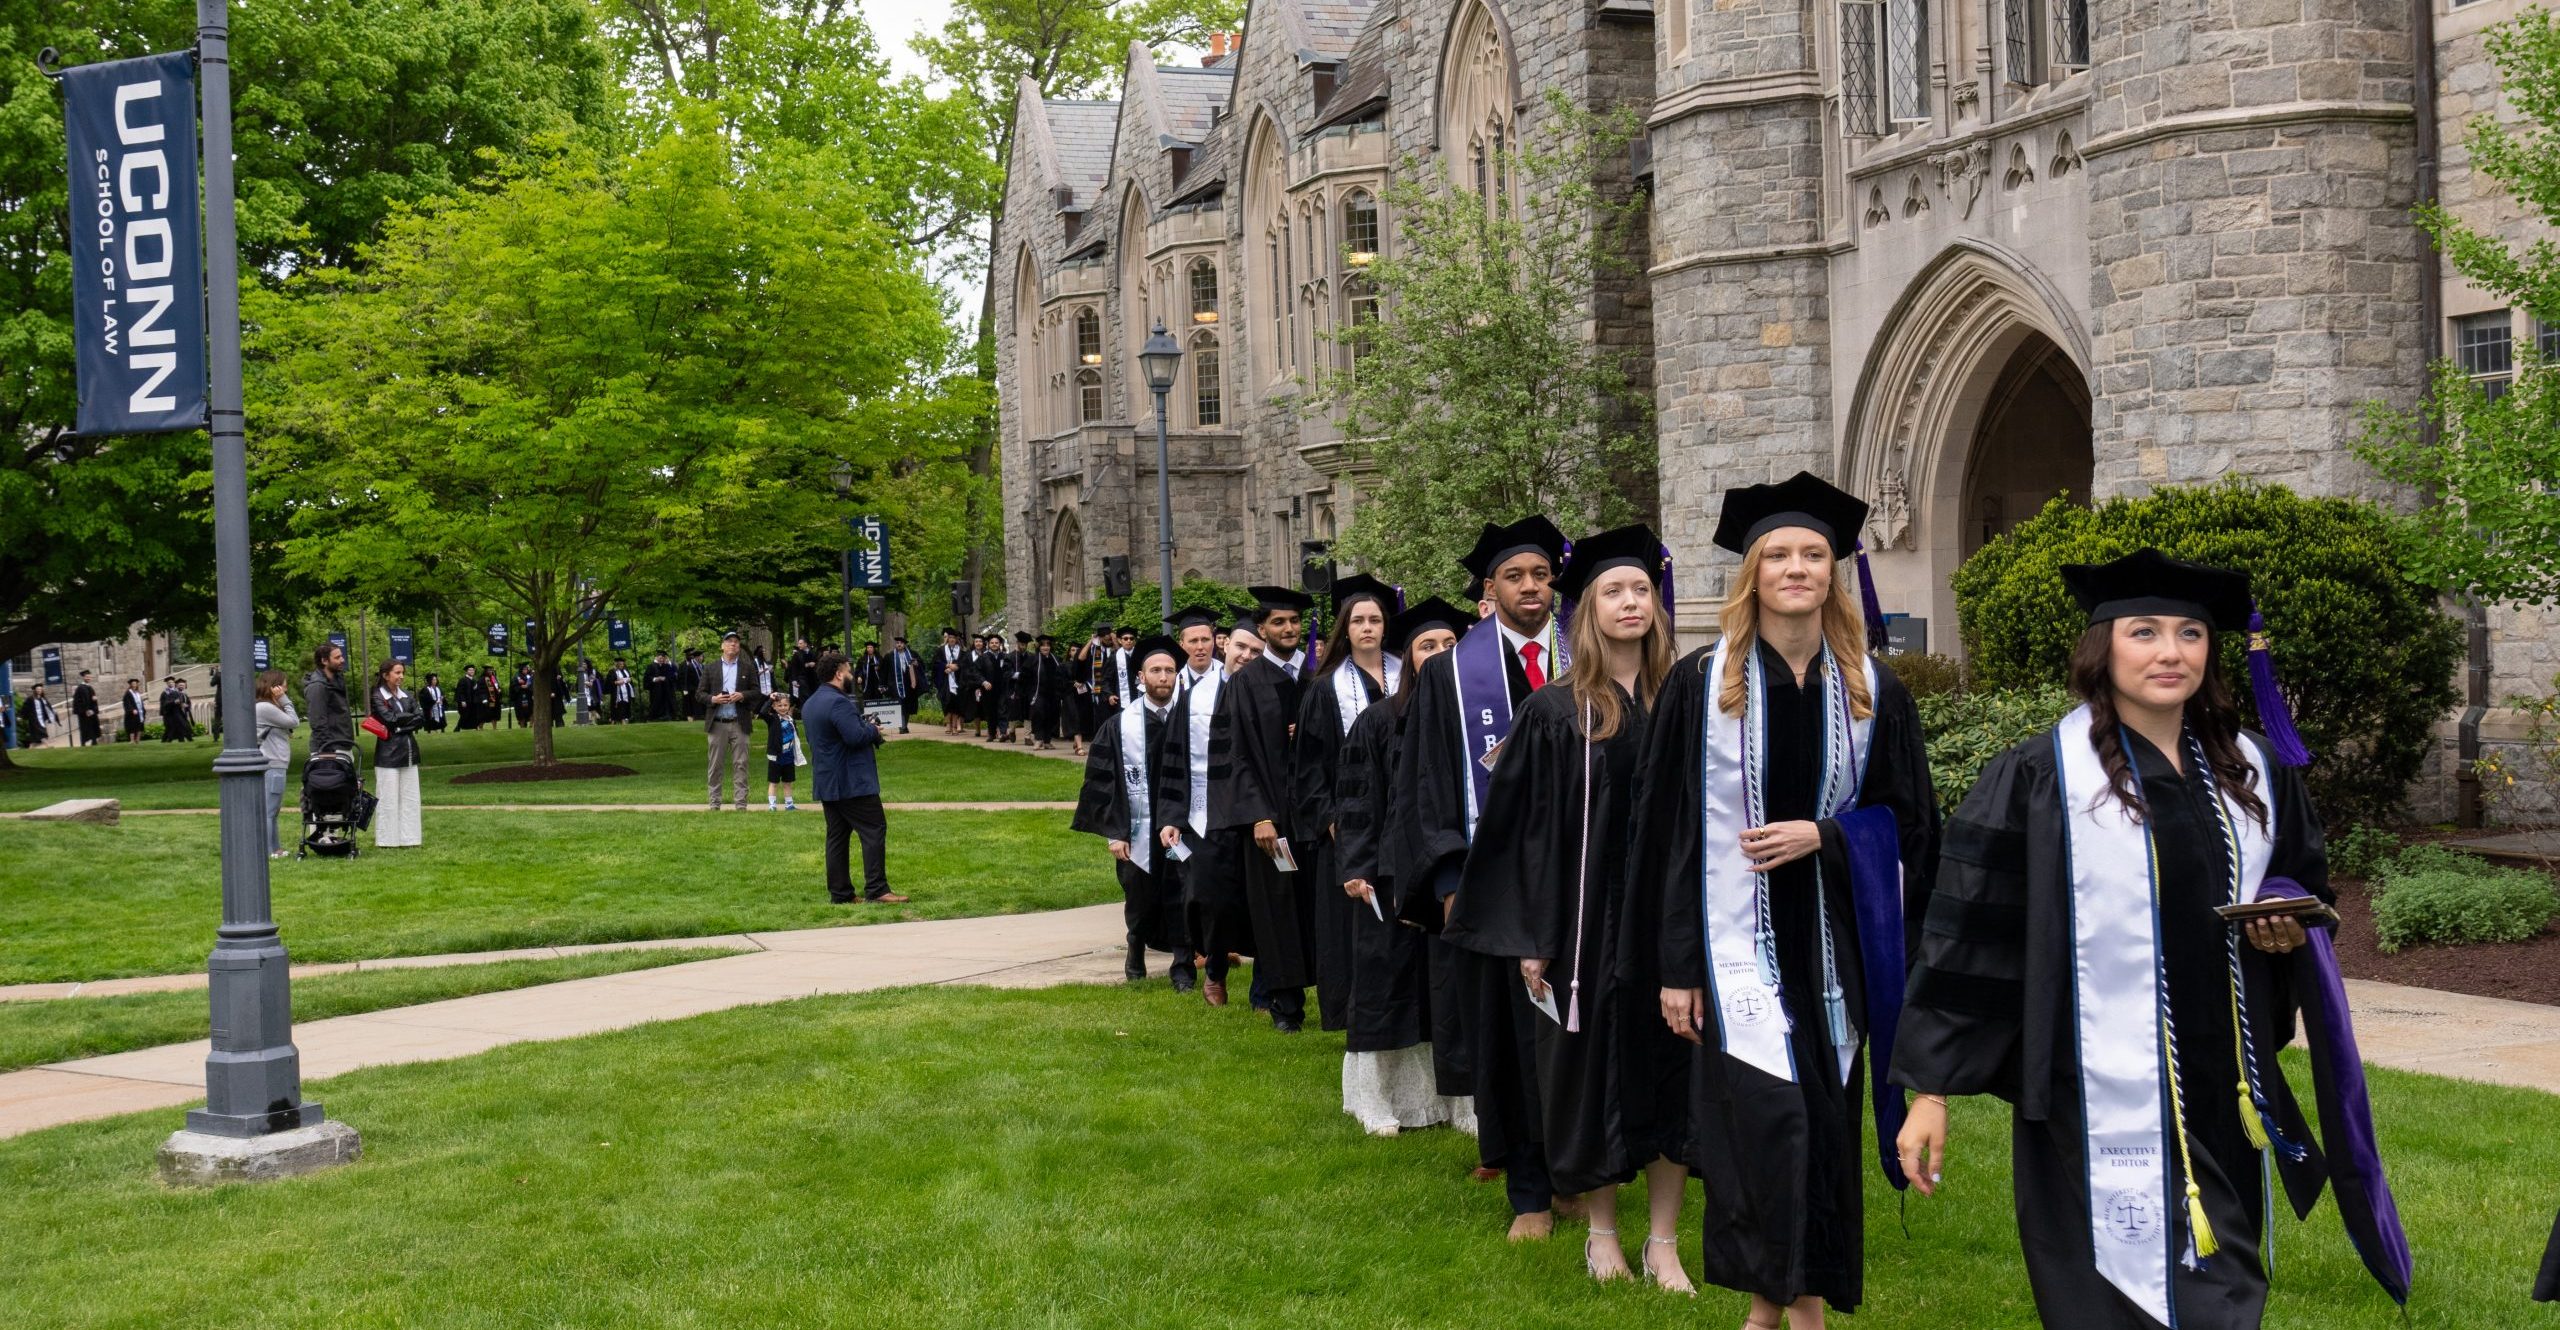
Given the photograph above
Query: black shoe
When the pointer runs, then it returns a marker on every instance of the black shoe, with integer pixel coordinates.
(1182, 981)
(1284, 1025)
(1135, 968)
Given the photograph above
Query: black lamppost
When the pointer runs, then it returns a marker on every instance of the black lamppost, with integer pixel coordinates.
(1162, 359)
(844, 492)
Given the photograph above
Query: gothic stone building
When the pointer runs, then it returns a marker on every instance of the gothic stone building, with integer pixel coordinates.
(1958, 255)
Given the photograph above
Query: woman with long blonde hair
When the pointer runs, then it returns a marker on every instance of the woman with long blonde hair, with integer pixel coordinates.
(1787, 820)
(1545, 884)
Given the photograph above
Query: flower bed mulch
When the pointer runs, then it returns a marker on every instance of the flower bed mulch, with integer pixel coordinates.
(556, 771)
(2527, 971)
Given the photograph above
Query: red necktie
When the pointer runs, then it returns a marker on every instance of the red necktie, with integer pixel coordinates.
(1529, 666)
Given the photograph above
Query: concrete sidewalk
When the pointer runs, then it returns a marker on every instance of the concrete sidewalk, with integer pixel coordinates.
(1023, 950)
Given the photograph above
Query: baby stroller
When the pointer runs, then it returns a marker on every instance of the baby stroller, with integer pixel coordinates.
(335, 805)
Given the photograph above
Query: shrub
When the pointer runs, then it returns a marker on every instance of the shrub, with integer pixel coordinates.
(1929, 675)
(1143, 608)
(2366, 657)
(1967, 730)
(2448, 905)
(2363, 850)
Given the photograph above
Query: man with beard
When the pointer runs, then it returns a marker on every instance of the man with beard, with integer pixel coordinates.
(1256, 795)
(1453, 734)
(1195, 745)
(1118, 804)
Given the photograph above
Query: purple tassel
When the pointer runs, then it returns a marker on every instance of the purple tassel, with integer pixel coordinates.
(1662, 588)
(1867, 595)
(2274, 718)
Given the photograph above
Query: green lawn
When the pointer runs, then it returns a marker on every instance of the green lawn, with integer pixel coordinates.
(91, 902)
(669, 758)
(33, 1033)
(1099, 1157)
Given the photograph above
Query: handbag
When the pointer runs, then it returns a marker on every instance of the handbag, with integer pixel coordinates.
(360, 809)
(374, 726)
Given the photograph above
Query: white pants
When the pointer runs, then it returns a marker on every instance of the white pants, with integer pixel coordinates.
(395, 822)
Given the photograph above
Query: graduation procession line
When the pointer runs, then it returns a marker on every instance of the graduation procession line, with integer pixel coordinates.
(1003, 951)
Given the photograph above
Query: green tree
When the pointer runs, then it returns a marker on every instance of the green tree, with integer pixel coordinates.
(344, 108)
(591, 384)
(1479, 394)
(2490, 464)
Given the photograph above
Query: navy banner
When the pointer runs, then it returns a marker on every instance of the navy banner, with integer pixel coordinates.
(404, 645)
(137, 270)
(53, 666)
(870, 567)
(619, 634)
(497, 639)
(259, 656)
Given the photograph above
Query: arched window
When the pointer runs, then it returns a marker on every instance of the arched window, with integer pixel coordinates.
(1089, 396)
(1088, 336)
(1359, 229)
(1030, 370)
(1266, 206)
(1208, 386)
(1288, 294)
(1478, 120)
(1204, 291)
(1142, 298)
(1066, 559)
(1361, 302)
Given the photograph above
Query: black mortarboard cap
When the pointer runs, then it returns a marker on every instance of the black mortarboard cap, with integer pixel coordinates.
(1021, 638)
(1352, 586)
(1193, 617)
(2150, 582)
(1153, 646)
(1803, 499)
(1281, 598)
(1248, 621)
(1498, 545)
(1422, 618)
(1619, 547)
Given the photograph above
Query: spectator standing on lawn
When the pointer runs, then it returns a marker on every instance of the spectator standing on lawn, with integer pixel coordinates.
(727, 694)
(276, 724)
(782, 753)
(846, 781)
(324, 701)
(398, 717)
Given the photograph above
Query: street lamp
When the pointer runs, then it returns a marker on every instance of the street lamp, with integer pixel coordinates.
(844, 492)
(1162, 360)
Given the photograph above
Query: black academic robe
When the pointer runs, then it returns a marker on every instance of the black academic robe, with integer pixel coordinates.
(1480, 1015)
(688, 681)
(658, 680)
(1259, 784)
(1780, 1163)
(32, 726)
(1316, 756)
(1390, 1001)
(1052, 692)
(520, 698)
(1151, 902)
(1537, 887)
(133, 715)
(1213, 877)
(84, 709)
(1999, 929)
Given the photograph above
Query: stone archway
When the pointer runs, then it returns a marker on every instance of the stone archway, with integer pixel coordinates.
(1972, 409)
(1066, 560)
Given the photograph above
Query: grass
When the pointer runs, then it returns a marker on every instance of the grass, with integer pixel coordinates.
(82, 902)
(1109, 1157)
(34, 1033)
(669, 758)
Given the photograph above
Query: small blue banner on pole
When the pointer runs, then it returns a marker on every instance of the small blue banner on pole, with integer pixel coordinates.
(497, 639)
(338, 640)
(53, 667)
(618, 633)
(137, 252)
(870, 553)
(404, 645)
(259, 656)
(532, 638)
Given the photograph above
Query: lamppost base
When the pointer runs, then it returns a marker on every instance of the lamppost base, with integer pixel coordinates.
(201, 1159)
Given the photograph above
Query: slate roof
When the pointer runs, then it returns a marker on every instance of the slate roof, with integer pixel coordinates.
(1208, 173)
(1333, 26)
(1361, 86)
(1083, 132)
(1192, 98)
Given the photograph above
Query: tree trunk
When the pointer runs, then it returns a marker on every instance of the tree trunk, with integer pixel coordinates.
(543, 670)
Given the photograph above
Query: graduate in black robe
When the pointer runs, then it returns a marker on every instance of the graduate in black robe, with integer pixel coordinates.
(1995, 991)
(84, 710)
(520, 696)
(1021, 685)
(1393, 1075)
(1780, 1160)
(1316, 756)
(1209, 858)
(1255, 794)
(1052, 693)
(133, 712)
(1118, 804)
(1546, 889)
(1477, 1002)
(689, 682)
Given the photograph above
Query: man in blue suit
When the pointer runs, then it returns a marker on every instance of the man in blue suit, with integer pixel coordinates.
(847, 783)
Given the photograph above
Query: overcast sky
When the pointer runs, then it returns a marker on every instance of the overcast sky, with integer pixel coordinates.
(896, 21)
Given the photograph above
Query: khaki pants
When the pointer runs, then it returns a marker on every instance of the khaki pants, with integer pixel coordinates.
(732, 740)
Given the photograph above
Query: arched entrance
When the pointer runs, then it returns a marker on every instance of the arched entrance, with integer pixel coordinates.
(1971, 412)
(1066, 561)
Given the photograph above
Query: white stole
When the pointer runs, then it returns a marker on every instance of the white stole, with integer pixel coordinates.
(1198, 707)
(1350, 698)
(1134, 786)
(1750, 1013)
(2117, 984)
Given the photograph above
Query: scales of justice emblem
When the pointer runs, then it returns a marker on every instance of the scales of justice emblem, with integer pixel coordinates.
(2131, 1217)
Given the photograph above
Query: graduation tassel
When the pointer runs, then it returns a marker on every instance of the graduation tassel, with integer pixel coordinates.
(2274, 718)
(2252, 1124)
(1867, 601)
(2199, 1228)
(1835, 1010)
(1573, 1006)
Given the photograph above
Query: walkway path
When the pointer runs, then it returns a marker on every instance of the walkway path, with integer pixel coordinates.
(1023, 950)
(988, 806)
(2411, 1029)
